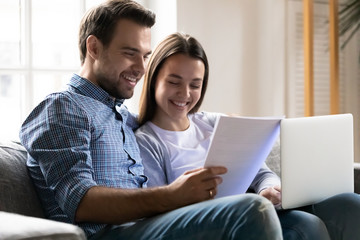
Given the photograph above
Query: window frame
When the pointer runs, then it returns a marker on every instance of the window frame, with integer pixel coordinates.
(25, 69)
(349, 70)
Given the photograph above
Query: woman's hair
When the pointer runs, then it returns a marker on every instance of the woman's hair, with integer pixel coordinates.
(101, 21)
(176, 43)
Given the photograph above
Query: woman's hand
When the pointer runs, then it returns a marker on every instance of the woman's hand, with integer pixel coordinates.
(273, 194)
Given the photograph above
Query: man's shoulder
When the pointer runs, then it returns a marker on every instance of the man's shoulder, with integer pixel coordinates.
(62, 101)
(74, 100)
(62, 96)
(58, 106)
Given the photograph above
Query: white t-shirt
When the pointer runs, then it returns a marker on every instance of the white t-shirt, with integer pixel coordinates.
(167, 154)
(187, 149)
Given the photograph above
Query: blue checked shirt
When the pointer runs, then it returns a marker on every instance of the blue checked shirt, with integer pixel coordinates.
(77, 139)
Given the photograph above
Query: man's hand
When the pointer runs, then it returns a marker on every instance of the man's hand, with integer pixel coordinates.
(273, 194)
(196, 185)
(116, 205)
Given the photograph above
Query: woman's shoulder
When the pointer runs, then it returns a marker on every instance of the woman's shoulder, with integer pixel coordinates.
(144, 130)
(148, 133)
(150, 142)
(205, 117)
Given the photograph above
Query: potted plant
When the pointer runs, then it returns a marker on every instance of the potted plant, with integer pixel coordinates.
(349, 21)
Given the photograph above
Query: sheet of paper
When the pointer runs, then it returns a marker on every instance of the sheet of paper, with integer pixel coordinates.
(241, 144)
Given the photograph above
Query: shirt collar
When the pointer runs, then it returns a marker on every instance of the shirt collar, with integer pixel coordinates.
(85, 87)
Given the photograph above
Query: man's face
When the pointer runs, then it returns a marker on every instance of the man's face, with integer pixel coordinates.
(122, 64)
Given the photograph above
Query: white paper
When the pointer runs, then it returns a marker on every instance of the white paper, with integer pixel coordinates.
(241, 144)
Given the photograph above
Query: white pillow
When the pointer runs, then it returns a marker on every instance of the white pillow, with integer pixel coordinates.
(15, 226)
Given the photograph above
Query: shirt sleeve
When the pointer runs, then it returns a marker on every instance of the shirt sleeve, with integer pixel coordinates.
(57, 135)
(153, 157)
(265, 178)
(211, 117)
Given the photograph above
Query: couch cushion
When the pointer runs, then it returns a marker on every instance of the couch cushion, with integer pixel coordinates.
(17, 194)
(357, 177)
(14, 226)
(273, 159)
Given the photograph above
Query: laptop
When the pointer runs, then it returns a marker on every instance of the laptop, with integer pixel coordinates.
(317, 158)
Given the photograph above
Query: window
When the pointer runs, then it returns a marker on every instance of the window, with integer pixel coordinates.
(39, 54)
(349, 65)
(39, 51)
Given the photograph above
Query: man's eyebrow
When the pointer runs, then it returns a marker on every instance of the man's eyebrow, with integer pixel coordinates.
(131, 49)
(135, 50)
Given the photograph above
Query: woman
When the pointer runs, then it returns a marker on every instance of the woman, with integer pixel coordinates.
(169, 115)
(174, 138)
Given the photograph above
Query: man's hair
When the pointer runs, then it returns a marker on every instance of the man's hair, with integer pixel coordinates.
(101, 21)
(176, 43)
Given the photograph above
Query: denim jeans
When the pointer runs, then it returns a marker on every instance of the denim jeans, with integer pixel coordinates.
(246, 216)
(336, 218)
(249, 216)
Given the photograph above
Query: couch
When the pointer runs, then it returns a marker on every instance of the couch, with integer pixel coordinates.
(21, 215)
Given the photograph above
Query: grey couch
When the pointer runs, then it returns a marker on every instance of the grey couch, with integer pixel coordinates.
(21, 215)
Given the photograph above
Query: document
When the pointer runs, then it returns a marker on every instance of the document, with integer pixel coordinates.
(241, 144)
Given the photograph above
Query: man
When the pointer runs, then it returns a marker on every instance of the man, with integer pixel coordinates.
(85, 162)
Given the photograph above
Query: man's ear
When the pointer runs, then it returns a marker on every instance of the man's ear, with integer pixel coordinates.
(93, 46)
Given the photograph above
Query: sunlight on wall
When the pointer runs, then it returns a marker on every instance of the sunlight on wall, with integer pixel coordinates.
(166, 23)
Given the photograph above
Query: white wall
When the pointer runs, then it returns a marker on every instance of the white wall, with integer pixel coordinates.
(244, 41)
(165, 24)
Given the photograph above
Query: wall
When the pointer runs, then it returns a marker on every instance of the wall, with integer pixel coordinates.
(166, 18)
(245, 44)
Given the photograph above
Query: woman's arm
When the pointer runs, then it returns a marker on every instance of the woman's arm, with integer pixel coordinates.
(154, 155)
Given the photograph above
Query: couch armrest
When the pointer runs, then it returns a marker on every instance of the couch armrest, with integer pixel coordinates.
(16, 226)
(357, 177)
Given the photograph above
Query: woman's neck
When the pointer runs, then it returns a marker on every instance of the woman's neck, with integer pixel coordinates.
(171, 124)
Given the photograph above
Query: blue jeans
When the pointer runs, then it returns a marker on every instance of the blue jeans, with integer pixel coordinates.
(246, 216)
(249, 217)
(334, 218)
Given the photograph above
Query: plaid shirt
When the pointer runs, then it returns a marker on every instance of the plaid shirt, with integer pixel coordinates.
(77, 139)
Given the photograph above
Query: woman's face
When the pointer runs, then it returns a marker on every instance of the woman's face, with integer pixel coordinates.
(177, 90)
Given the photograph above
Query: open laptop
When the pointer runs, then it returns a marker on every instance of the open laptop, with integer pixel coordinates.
(317, 158)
